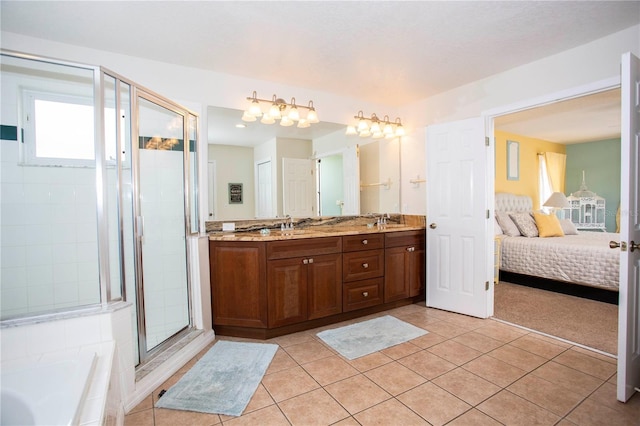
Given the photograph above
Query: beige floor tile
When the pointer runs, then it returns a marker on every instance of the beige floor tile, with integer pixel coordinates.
(144, 405)
(419, 319)
(357, 393)
(446, 329)
(454, 352)
(369, 362)
(538, 346)
(259, 400)
(308, 351)
(518, 357)
(587, 364)
(494, 370)
(511, 409)
(330, 369)
(467, 386)
(428, 340)
(573, 380)
(477, 341)
(602, 356)
(390, 412)
(401, 350)
(607, 395)
(427, 364)
(271, 416)
(433, 404)
(293, 339)
(166, 417)
(349, 421)
(281, 361)
(590, 413)
(289, 383)
(474, 417)
(140, 418)
(464, 321)
(547, 395)
(395, 378)
(315, 407)
(500, 331)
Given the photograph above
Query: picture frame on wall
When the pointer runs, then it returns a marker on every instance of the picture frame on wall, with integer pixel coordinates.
(235, 193)
(513, 160)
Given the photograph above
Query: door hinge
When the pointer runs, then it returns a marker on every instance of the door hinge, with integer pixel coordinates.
(486, 285)
(487, 141)
(488, 214)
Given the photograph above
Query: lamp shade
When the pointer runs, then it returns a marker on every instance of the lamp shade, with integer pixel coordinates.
(557, 200)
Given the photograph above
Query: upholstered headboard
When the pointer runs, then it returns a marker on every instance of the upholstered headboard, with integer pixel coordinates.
(506, 202)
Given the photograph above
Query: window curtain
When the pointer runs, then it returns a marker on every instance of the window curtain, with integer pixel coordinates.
(551, 172)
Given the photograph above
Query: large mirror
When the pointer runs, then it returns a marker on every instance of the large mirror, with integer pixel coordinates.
(260, 171)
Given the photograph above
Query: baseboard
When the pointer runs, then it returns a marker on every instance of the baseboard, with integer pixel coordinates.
(592, 293)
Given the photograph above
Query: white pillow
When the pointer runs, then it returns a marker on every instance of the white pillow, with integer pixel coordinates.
(496, 227)
(508, 227)
(568, 227)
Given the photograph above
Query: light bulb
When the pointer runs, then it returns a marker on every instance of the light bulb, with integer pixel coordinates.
(388, 129)
(274, 111)
(303, 123)
(248, 117)
(351, 130)
(400, 130)
(254, 109)
(286, 121)
(375, 127)
(362, 125)
(312, 116)
(293, 113)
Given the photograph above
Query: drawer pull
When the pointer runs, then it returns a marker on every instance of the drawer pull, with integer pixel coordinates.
(365, 294)
(311, 260)
(365, 242)
(365, 265)
(411, 249)
(305, 261)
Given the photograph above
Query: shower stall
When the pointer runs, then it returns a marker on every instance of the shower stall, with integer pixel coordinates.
(98, 198)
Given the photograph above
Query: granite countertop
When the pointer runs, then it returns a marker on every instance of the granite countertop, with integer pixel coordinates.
(309, 232)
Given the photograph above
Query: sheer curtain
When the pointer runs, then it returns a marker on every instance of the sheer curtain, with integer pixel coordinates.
(551, 172)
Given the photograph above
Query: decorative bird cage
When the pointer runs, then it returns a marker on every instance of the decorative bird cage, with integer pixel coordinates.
(586, 208)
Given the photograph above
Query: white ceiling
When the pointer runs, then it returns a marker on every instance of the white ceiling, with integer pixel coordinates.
(390, 53)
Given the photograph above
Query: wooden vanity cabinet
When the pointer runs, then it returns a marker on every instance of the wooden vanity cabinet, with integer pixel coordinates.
(405, 271)
(304, 280)
(238, 283)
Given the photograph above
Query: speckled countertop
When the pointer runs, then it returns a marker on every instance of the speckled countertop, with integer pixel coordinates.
(310, 232)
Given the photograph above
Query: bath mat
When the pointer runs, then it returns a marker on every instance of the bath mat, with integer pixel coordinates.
(364, 338)
(223, 380)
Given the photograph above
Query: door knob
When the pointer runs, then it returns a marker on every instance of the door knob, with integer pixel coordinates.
(622, 245)
(634, 246)
(433, 226)
(613, 244)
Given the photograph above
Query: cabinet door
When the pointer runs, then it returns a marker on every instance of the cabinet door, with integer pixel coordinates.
(396, 274)
(417, 271)
(324, 275)
(287, 289)
(238, 283)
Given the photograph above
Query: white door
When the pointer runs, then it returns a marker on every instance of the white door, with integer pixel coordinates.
(351, 181)
(628, 316)
(458, 256)
(298, 183)
(264, 199)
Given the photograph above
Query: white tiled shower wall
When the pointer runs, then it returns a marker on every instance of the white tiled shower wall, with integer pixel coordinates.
(49, 240)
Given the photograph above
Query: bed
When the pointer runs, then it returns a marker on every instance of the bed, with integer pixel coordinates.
(579, 258)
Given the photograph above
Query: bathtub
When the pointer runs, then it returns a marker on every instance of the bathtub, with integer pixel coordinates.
(48, 392)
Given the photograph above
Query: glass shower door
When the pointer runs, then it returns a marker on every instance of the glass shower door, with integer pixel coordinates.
(161, 222)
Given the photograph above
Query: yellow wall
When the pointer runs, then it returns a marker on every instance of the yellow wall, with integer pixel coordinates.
(529, 149)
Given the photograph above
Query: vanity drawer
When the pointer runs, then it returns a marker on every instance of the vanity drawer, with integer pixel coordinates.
(362, 294)
(303, 247)
(362, 242)
(360, 265)
(406, 238)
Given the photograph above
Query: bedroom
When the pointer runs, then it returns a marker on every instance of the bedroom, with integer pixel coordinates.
(587, 130)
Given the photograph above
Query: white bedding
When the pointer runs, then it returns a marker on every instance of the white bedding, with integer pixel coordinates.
(581, 259)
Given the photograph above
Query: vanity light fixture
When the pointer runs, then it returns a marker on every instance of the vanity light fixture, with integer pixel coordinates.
(279, 109)
(375, 127)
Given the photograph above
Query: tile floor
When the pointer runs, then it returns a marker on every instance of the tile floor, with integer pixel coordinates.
(466, 371)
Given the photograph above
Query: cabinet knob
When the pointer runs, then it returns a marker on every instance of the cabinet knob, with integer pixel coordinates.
(365, 242)
(365, 294)
(305, 261)
(365, 265)
(310, 260)
(411, 249)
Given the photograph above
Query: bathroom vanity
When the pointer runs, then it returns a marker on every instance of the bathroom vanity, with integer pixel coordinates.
(266, 285)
